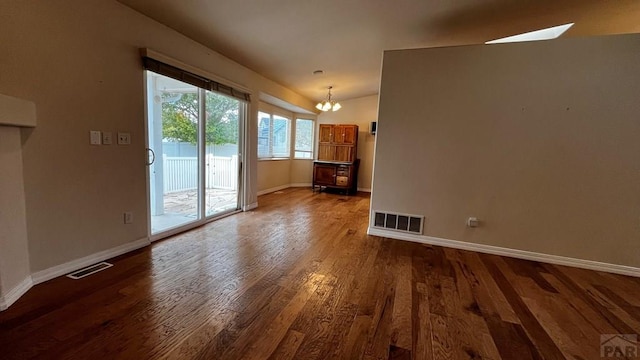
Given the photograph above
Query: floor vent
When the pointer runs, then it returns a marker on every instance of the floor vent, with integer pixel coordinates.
(399, 222)
(89, 270)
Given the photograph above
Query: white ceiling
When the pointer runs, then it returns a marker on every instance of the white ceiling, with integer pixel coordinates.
(286, 40)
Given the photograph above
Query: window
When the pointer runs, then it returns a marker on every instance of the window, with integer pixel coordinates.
(273, 136)
(264, 137)
(304, 139)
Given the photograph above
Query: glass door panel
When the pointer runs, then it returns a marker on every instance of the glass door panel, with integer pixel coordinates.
(173, 116)
(222, 154)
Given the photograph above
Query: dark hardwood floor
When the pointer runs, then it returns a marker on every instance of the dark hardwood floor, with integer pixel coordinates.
(298, 278)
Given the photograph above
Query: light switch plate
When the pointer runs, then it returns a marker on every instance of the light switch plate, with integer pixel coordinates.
(107, 138)
(128, 217)
(94, 137)
(124, 138)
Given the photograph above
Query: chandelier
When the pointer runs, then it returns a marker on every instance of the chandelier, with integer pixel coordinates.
(329, 104)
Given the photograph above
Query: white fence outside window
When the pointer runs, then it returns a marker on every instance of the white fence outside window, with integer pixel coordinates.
(181, 173)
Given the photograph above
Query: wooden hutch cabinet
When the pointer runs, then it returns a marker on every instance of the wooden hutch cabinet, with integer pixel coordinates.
(338, 143)
(337, 164)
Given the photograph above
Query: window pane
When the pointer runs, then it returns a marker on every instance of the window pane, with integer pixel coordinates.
(303, 154)
(280, 136)
(304, 138)
(264, 122)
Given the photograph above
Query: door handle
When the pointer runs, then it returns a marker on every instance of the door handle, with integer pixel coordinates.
(153, 157)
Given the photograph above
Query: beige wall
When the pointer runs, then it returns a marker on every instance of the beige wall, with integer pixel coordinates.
(301, 172)
(273, 174)
(79, 62)
(360, 111)
(539, 140)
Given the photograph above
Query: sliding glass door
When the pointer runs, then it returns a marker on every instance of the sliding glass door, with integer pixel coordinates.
(222, 154)
(194, 154)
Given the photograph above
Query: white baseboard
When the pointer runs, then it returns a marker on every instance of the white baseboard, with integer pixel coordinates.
(520, 254)
(55, 271)
(250, 206)
(273, 189)
(14, 294)
(282, 187)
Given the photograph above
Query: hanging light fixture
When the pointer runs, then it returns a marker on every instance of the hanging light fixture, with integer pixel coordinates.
(329, 104)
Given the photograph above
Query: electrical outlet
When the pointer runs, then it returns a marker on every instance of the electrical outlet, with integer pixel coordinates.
(124, 138)
(473, 222)
(128, 217)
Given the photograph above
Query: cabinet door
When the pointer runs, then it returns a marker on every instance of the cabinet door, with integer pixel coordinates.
(324, 174)
(338, 134)
(343, 153)
(349, 134)
(326, 133)
(345, 134)
(326, 152)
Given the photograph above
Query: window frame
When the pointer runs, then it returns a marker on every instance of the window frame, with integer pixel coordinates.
(270, 154)
(295, 138)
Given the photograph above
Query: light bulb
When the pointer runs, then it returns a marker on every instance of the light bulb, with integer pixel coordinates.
(337, 106)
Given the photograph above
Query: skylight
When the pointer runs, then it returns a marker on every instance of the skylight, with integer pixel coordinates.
(543, 34)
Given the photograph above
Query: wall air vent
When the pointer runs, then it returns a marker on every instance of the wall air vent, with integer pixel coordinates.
(89, 270)
(399, 222)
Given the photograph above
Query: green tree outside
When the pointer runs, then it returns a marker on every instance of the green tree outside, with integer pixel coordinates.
(180, 118)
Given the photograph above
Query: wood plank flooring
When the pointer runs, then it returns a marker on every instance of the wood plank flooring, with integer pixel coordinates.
(298, 278)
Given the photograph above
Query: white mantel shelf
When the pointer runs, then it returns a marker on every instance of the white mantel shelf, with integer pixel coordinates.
(17, 112)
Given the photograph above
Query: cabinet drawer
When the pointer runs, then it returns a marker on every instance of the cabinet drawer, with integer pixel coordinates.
(342, 171)
(342, 180)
